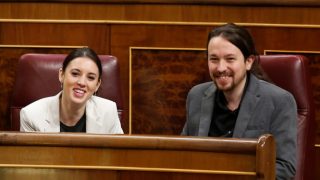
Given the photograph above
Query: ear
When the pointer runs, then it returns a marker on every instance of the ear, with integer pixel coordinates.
(98, 85)
(249, 61)
(61, 75)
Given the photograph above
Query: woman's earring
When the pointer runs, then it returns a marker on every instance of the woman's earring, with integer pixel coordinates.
(61, 85)
(95, 93)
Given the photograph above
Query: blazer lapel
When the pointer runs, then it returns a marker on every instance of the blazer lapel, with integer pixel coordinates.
(206, 111)
(52, 119)
(93, 122)
(248, 105)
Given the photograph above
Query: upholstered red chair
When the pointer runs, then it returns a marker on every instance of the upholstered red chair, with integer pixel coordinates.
(291, 72)
(37, 77)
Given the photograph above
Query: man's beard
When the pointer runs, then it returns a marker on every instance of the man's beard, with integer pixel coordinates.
(230, 86)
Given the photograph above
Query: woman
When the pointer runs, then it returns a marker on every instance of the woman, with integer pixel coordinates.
(75, 108)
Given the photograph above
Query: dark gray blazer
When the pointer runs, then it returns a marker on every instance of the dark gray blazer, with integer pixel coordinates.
(265, 108)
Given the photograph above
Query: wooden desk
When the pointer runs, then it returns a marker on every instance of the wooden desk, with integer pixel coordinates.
(90, 156)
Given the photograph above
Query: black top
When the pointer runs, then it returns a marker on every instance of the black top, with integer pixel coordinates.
(79, 127)
(223, 119)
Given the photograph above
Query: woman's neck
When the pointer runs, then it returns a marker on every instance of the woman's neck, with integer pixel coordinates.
(70, 113)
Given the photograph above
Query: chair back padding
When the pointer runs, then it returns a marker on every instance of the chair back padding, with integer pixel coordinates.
(291, 72)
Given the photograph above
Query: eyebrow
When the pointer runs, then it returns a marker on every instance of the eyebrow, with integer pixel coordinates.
(94, 74)
(228, 55)
(90, 73)
(212, 55)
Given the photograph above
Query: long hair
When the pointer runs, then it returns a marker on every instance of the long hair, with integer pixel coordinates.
(242, 39)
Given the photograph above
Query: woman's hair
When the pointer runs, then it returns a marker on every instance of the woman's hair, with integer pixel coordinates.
(83, 52)
(242, 39)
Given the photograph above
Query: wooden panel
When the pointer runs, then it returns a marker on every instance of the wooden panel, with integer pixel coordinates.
(89, 174)
(95, 36)
(125, 36)
(208, 2)
(161, 12)
(61, 153)
(161, 80)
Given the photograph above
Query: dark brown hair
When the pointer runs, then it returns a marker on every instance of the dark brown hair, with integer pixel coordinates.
(83, 52)
(242, 39)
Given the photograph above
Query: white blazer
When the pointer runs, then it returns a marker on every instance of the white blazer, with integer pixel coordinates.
(43, 116)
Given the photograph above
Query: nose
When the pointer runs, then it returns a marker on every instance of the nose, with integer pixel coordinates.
(81, 81)
(221, 66)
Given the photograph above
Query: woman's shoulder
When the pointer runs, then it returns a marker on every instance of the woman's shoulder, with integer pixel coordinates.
(40, 103)
(99, 101)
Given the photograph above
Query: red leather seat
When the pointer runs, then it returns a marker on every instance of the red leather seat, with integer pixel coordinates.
(37, 77)
(291, 72)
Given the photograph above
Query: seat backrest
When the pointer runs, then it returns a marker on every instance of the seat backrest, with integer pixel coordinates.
(37, 77)
(291, 72)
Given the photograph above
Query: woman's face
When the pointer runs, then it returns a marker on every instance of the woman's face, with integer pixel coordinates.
(80, 80)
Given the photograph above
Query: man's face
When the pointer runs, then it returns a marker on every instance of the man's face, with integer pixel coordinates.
(227, 66)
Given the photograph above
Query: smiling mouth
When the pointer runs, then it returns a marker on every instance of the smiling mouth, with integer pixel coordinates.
(79, 92)
(222, 77)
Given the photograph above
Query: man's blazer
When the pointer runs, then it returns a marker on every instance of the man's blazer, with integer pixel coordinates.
(265, 108)
(43, 116)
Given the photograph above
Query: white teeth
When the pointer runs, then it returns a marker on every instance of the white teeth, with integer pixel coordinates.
(79, 91)
(223, 76)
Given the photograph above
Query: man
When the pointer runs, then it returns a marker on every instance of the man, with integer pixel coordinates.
(239, 103)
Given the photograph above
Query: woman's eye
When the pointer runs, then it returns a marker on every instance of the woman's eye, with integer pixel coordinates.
(74, 73)
(91, 78)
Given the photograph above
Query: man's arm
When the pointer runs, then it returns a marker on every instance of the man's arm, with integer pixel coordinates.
(284, 128)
